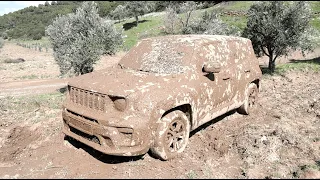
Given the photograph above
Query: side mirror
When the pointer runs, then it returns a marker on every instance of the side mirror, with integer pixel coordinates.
(212, 67)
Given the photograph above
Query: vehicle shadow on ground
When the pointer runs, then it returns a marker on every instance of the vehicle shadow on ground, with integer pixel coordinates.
(128, 26)
(109, 159)
(211, 122)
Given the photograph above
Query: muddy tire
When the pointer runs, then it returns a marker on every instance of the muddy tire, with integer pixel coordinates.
(251, 95)
(172, 135)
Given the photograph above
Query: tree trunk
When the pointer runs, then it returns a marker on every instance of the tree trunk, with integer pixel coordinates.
(136, 20)
(272, 65)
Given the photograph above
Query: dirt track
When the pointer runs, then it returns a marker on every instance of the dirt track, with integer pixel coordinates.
(279, 140)
(18, 88)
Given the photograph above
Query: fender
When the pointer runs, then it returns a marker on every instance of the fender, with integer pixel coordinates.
(173, 102)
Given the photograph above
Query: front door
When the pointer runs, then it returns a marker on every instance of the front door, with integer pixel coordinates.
(217, 89)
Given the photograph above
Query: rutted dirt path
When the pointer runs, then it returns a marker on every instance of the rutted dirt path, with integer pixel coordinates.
(40, 67)
(18, 88)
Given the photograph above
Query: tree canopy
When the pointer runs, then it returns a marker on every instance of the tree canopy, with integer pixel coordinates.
(277, 27)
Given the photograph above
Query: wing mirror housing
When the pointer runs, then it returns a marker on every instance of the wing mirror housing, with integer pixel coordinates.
(212, 67)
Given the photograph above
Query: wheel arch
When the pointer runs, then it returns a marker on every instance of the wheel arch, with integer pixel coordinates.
(185, 108)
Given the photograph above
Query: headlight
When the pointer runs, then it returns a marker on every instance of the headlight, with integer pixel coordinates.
(120, 103)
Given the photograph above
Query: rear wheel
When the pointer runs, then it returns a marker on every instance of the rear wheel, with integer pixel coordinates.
(172, 135)
(250, 99)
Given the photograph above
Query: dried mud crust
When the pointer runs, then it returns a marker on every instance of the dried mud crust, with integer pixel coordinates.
(280, 139)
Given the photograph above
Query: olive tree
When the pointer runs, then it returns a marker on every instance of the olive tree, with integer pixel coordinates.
(138, 8)
(275, 28)
(79, 38)
(118, 13)
(171, 21)
(207, 23)
(187, 8)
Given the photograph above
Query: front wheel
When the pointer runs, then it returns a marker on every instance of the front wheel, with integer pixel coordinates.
(251, 95)
(172, 135)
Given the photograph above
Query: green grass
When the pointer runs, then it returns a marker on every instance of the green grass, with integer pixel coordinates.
(149, 28)
(239, 5)
(315, 23)
(43, 42)
(315, 6)
(33, 76)
(299, 66)
(30, 103)
(192, 175)
(240, 22)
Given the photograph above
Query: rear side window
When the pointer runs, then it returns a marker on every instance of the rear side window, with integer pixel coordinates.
(218, 51)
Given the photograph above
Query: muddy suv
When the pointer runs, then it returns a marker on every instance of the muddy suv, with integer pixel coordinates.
(162, 89)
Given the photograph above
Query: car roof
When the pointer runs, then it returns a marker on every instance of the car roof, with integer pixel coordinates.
(200, 38)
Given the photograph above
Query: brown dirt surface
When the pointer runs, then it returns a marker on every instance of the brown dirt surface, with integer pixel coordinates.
(280, 139)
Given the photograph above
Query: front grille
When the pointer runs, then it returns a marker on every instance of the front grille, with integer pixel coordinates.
(89, 99)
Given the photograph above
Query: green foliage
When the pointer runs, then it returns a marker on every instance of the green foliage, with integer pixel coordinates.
(187, 8)
(30, 22)
(188, 23)
(210, 23)
(78, 39)
(118, 13)
(138, 8)
(105, 7)
(299, 66)
(149, 28)
(277, 27)
(171, 21)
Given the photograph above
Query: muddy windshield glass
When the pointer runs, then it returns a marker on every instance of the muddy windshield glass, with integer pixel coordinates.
(160, 55)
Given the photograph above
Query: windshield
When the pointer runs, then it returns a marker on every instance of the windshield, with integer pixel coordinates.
(164, 55)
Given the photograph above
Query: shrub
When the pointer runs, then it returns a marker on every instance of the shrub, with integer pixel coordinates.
(209, 23)
(78, 39)
(171, 21)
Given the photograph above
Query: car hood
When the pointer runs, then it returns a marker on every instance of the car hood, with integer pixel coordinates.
(122, 82)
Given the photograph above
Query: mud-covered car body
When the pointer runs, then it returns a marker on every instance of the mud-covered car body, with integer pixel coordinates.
(118, 110)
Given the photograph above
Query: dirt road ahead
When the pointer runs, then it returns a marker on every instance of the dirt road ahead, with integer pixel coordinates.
(18, 88)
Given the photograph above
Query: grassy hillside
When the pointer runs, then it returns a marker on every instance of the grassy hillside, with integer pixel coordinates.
(232, 13)
(30, 22)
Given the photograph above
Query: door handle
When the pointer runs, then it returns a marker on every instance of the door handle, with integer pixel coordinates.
(248, 70)
(226, 78)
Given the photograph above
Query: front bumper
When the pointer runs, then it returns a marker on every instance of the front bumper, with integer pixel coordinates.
(106, 139)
